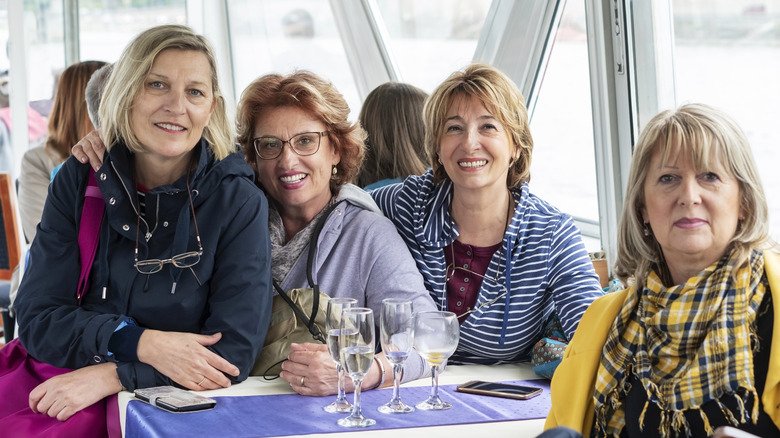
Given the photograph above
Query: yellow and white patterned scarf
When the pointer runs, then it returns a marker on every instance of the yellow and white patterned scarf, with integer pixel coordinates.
(688, 344)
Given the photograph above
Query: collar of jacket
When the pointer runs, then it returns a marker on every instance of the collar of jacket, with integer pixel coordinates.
(436, 229)
(118, 167)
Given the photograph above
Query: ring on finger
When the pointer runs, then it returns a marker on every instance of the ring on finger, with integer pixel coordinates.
(202, 380)
(302, 377)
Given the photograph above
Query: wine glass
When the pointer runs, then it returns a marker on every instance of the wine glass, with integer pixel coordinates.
(436, 335)
(396, 338)
(333, 326)
(356, 341)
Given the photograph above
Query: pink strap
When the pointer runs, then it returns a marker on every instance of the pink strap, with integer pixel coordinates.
(89, 231)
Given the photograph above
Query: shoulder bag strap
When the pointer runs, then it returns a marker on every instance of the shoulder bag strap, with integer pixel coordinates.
(309, 320)
(315, 235)
(89, 231)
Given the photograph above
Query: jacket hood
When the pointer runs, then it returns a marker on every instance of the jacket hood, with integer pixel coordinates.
(357, 197)
(207, 176)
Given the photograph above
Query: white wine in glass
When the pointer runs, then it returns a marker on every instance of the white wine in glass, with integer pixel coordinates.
(396, 337)
(356, 343)
(436, 335)
(333, 326)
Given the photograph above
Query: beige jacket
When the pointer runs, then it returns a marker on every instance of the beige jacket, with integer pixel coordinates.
(37, 165)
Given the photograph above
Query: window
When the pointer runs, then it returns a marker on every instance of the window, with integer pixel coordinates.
(106, 27)
(563, 170)
(727, 54)
(279, 36)
(431, 39)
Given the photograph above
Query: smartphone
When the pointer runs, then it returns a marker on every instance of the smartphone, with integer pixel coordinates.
(494, 389)
(174, 399)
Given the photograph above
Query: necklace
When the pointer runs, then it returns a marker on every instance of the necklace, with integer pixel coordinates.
(448, 275)
(142, 213)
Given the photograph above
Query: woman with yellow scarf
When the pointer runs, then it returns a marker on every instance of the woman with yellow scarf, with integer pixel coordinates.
(690, 346)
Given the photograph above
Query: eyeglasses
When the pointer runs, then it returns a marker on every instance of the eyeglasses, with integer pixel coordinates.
(303, 144)
(449, 272)
(181, 261)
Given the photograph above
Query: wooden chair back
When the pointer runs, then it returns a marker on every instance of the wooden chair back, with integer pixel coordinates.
(10, 245)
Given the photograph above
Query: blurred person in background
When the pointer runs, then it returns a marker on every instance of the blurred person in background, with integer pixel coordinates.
(68, 122)
(392, 116)
(36, 124)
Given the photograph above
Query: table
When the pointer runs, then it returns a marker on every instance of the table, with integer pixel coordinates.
(452, 375)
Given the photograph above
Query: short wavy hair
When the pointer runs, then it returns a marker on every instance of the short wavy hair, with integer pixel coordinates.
(504, 101)
(129, 74)
(314, 95)
(708, 136)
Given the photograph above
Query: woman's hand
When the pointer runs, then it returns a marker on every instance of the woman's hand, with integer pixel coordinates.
(731, 432)
(310, 371)
(64, 395)
(90, 149)
(184, 358)
(313, 363)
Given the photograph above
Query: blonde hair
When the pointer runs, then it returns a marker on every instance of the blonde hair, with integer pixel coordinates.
(129, 74)
(501, 98)
(709, 137)
(318, 98)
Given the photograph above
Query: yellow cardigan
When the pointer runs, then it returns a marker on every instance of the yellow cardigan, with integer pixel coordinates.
(574, 381)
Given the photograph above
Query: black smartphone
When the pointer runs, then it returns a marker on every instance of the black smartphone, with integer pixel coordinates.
(495, 389)
(174, 399)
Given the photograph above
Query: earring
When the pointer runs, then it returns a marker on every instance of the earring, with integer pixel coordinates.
(646, 230)
(335, 170)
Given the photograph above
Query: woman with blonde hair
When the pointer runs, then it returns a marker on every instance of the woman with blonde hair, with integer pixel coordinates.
(505, 261)
(184, 234)
(689, 346)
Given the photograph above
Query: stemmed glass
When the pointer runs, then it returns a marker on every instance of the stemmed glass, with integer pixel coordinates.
(333, 326)
(436, 335)
(356, 341)
(396, 338)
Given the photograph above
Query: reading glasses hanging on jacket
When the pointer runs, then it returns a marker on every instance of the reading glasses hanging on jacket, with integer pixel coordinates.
(449, 273)
(181, 261)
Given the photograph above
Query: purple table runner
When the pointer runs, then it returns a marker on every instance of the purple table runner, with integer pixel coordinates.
(293, 414)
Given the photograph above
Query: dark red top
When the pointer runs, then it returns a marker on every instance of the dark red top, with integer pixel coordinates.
(465, 282)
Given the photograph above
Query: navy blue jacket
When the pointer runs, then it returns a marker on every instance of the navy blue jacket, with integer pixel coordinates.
(228, 291)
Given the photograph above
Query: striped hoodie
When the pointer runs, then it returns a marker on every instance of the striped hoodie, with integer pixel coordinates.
(542, 262)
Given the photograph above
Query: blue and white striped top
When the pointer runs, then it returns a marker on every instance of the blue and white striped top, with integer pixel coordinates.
(542, 249)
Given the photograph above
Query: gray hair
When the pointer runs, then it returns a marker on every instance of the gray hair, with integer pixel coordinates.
(94, 92)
